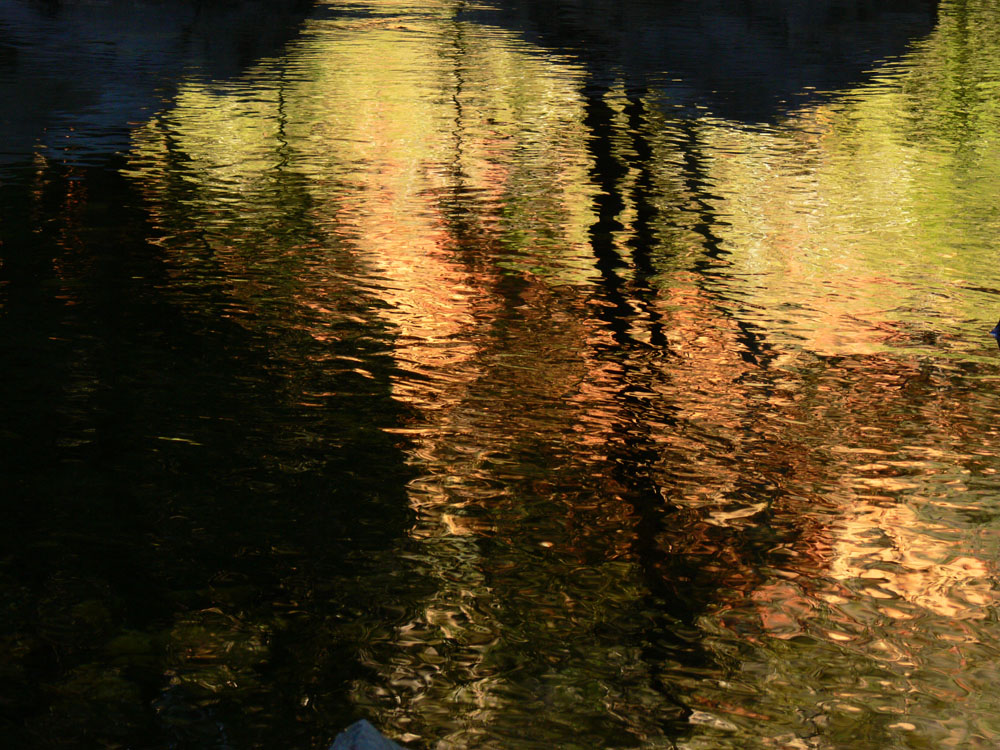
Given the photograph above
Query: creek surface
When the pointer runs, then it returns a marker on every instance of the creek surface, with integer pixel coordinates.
(557, 374)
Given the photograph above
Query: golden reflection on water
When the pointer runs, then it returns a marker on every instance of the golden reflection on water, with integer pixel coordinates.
(802, 417)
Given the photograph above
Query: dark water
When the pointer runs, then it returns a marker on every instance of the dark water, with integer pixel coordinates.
(513, 375)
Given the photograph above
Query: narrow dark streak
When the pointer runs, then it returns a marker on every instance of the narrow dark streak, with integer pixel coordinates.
(644, 237)
(632, 452)
(607, 173)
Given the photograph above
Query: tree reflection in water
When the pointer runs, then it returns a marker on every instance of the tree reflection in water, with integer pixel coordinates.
(487, 392)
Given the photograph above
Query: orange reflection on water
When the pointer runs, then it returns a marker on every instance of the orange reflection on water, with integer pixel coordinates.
(895, 554)
(705, 395)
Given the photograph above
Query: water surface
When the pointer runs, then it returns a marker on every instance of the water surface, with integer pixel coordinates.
(512, 381)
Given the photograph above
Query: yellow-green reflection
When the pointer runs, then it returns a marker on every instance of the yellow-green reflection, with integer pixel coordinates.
(865, 217)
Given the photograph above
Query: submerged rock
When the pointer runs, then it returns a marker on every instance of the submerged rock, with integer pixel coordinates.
(362, 736)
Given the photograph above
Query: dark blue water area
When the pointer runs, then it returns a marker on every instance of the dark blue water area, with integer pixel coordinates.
(77, 77)
(743, 61)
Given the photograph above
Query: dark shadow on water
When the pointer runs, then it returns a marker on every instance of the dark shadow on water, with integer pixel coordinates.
(186, 537)
(166, 494)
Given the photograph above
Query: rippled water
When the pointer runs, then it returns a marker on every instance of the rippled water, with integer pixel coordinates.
(515, 376)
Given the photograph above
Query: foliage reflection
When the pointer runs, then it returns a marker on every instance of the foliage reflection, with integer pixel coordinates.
(507, 404)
